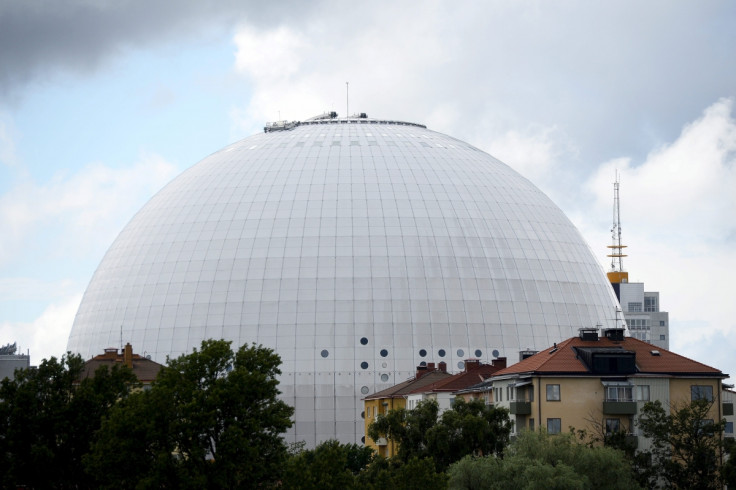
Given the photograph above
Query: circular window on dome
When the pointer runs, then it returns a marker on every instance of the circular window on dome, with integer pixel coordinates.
(478, 353)
(384, 377)
(384, 352)
(325, 353)
(364, 390)
(364, 365)
(460, 353)
(364, 341)
(362, 414)
(423, 353)
(362, 439)
(441, 352)
(423, 363)
(495, 353)
(383, 365)
(461, 365)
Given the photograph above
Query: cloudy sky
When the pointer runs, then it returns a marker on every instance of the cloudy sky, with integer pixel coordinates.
(102, 103)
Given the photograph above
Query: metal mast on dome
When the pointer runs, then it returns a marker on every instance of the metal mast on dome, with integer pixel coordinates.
(617, 274)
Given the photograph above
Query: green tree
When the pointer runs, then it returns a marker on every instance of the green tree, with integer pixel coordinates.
(212, 420)
(467, 428)
(687, 444)
(48, 418)
(329, 465)
(407, 428)
(416, 473)
(536, 460)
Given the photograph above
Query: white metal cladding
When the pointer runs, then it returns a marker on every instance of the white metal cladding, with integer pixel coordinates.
(357, 251)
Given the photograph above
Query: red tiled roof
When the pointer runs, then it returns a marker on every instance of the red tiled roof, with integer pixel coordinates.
(562, 359)
(401, 389)
(144, 369)
(459, 381)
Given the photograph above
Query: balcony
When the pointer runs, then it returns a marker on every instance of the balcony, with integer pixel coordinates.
(619, 408)
(520, 408)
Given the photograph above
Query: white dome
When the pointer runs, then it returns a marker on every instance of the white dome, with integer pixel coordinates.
(357, 250)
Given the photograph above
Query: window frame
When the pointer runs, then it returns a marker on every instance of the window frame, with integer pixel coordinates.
(701, 392)
(613, 425)
(551, 395)
(558, 422)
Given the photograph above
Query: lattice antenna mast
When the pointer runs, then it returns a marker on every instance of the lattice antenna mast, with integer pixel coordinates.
(617, 255)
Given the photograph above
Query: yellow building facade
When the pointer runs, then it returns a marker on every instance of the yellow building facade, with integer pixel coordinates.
(600, 384)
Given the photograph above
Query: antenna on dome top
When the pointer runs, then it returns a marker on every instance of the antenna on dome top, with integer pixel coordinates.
(617, 274)
(347, 100)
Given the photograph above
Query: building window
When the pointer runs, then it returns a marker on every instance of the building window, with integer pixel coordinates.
(634, 307)
(619, 394)
(661, 337)
(642, 393)
(661, 323)
(553, 394)
(701, 392)
(613, 426)
(531, 425)
(554, 426)
(729, 428)
(638, 324)
(650, 303)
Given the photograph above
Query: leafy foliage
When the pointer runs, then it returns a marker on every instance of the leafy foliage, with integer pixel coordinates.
(686, 444)
(48, 418)
(468, 428)
(211, 420)
(416, 473)
(329, 465)
(536, 460)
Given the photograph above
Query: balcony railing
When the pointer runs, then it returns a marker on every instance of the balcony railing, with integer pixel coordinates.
(520, 408)
(619, 408)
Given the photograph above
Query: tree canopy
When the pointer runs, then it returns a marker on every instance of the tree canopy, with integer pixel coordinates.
(686, 444)
(211, 419)
(537, 460)
(467, 428)
(48, 418)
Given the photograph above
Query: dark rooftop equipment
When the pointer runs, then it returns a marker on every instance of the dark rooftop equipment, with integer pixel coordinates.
(607, 360)
(589, 334)
(615, 334)
(526, 354)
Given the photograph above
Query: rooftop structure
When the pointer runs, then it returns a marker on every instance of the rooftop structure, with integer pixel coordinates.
(144, 369)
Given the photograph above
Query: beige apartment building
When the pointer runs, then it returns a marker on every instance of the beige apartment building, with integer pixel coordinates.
(600, 383)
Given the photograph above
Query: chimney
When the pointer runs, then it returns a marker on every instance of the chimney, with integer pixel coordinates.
(499, 362)
(421, 371)
(442, 366)
(128, 355)
(471, 364)
(430, 366)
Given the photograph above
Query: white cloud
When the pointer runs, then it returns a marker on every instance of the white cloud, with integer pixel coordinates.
(7, 143)
(678, 211)
(73, 215)
(45, 336)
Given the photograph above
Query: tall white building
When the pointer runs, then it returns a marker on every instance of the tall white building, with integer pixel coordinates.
(642, 314)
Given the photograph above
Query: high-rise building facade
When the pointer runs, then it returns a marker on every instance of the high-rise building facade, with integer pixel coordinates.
(642, 314)
(356, 248)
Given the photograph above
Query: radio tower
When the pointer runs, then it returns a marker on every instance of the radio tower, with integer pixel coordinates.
(617, 275)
